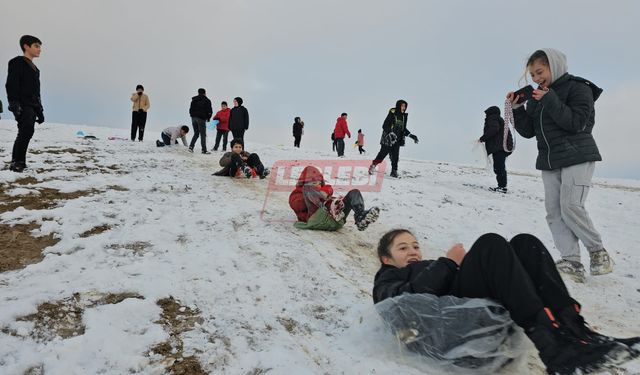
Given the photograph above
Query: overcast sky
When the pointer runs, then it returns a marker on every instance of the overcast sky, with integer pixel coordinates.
(315, 59)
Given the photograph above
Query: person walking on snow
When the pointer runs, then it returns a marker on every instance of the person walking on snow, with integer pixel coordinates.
(298, 130)
(23, 94)
(394, 131)
(360, 142)
(341, 129)
(222, 129)
(561, 116)
(238, 119)
(316, 208)
(141, 105)
(520, 275)
(493, 139)
(200, 112)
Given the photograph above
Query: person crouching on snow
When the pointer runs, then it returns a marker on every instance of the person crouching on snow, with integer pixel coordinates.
(315, 206)
(240, 163)
(171, 134)
(521, 275)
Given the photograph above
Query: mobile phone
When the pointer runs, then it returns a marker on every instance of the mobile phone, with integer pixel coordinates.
(524, 94)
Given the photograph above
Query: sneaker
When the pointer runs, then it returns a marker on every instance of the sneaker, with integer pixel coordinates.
(190, 150)
(215, 149)
(372, 169)
(499, 189)
(248, 172)
(575, 270)
(206, 153)
(394, 174)
(159, 144)
(265, 173)
(601, 263)
(17, 167)
(367, 217)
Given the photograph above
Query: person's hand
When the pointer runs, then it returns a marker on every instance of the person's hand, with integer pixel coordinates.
(15, 108)
(513, 98)
(414, 137)
(40, 117)
(539, 93)
(480, 140)
(457, 253)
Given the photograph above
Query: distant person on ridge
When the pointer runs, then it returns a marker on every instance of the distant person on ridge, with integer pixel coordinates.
(493, 138)
(298, 129)
(171, 134)
(141, 105)
(222, 129)
(23, 93)
(200, 112)
(360, 142)
(238, 119)
(341, 129)
(394, 131)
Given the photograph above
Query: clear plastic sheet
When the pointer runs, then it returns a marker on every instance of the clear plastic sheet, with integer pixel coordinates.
(462, 335)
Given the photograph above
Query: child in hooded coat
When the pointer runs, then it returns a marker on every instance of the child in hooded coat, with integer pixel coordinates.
(316, 208)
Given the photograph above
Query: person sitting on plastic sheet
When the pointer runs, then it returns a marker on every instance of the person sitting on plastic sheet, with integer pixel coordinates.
(521, 276)
(171, 134)
(240, 163)
(315, 206)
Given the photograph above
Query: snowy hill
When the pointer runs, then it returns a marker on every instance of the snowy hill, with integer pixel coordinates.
(151, 265)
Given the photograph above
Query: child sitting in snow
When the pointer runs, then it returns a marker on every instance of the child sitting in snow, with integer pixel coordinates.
(315, 207)
(240, 163)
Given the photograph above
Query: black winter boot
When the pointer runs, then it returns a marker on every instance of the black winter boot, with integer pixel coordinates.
(574, 323)
(364, 218)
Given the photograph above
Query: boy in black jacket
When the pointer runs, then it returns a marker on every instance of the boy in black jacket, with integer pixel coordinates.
(200, 111)
(519, 274)
(23, 92)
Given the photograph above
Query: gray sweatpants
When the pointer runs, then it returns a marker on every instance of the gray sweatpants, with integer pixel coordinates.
(565, 191)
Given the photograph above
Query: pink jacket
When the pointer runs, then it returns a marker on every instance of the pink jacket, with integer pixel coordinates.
(360, 139)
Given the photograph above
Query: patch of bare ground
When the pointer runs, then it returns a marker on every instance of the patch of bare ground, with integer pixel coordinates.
(138, 247)
(177, 319)
(63, 319)
(56, 151)
(96, 230)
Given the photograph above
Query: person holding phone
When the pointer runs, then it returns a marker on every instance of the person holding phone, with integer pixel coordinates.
(140, 108)
(561, 115)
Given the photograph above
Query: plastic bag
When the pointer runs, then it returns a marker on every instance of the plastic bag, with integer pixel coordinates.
(469, 335)
(480, 156)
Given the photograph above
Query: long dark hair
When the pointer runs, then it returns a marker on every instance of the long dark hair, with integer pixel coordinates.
(384, 245)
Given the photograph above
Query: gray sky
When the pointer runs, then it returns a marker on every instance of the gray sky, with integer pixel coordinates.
(315, 59)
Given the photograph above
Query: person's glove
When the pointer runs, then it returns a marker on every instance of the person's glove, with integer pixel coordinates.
(390, 139)
(414, 137)
(40, 117)
(15, 108)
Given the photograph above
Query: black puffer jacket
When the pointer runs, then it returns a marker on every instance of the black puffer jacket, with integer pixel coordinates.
(239, 118)
(562, 123)
(23, 83)
(201, 107)
(396, 122)
(493, 135)
(427, 276)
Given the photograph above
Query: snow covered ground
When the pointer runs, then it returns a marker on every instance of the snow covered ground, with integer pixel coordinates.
(157, 266)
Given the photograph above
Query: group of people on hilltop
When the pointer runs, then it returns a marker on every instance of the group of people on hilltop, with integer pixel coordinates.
(520, 274)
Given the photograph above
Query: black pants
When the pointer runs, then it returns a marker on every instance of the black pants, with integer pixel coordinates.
(334, 144)
(166, 140)
(353, 201)
(296, 140)
(499, 168)
(238, 134)
(199, 130)
(393, 152)
(26, 127)
(138, 122)
(519, 274)
(360, 149)
(340, 146)
(253, 161)
(221, 134)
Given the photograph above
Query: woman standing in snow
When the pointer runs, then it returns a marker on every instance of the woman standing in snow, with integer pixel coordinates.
(298, 128)
(561, 116)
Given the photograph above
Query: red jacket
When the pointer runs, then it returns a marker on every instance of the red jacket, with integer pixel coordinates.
(296, 199)
(341, 128)
(223, 117)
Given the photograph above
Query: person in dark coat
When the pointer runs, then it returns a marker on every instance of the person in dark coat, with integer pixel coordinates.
(519, 274)
(200, 111)
(493, 139)
(561, 116)
(394, 131)
(23, 93)
(298, 126)
(238, 119)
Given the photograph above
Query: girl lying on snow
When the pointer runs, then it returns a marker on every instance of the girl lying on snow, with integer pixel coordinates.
(239, 163)
(316, 208)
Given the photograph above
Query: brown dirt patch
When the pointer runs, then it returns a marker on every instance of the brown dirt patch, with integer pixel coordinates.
(56, 151)
(96, 230)
(177, 319)
(19, 248)
(138, 247)
(64, 318)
